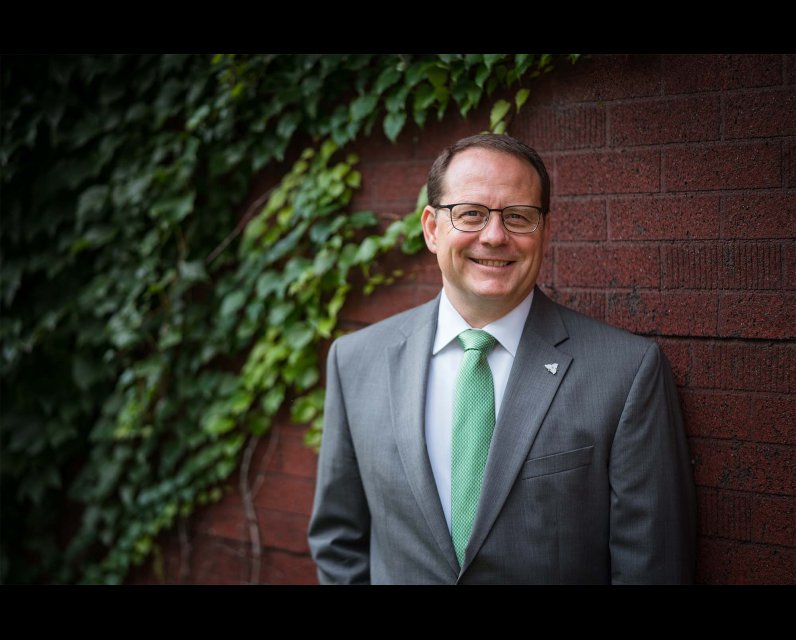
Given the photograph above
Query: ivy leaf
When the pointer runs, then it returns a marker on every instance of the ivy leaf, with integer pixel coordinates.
(367, 250)
(386, 79)
(499, 111)
(232, 303)
(424, 96)
(175, 209)
(393, 123)
(521, 98)
(363, 106)
(193, 271)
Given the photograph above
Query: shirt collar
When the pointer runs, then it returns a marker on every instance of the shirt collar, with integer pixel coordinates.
(507, 330)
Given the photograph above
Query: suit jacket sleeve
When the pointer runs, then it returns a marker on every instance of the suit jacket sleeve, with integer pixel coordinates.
(653, 510)
(339, 528)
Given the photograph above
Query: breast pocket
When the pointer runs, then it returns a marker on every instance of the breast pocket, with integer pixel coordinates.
(557, 462)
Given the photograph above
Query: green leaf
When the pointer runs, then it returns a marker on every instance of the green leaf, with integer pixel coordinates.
(272, 400)
(499, 111)
(232, 303)
(521, 98)
(437, 75)
(367, 250)
(363, 106)
(393, 123)
(175, 209)
(386, 79)
(193, 271)
(424, 96)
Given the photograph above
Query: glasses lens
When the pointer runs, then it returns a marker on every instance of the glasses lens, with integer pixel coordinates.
(521, 219)
(469, 217)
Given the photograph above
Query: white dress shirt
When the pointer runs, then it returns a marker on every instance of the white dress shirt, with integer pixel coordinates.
(446, 357)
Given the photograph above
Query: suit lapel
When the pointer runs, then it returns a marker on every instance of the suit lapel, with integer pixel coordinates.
(529, 392)
(407, 362)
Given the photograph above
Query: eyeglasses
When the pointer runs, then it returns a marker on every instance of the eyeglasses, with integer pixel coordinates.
(469, 217)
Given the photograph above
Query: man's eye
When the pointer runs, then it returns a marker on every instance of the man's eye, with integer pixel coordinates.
(472, 213)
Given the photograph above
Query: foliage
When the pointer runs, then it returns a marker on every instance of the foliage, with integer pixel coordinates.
(148, 325)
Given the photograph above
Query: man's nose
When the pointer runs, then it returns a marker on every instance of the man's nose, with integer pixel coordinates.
(494, 233)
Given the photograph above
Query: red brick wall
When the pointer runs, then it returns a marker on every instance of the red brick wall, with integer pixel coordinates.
(674, 182)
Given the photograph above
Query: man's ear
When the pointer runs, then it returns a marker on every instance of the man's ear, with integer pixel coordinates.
(429, 221)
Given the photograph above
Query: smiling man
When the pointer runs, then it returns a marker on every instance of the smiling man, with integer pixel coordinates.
(491, 435)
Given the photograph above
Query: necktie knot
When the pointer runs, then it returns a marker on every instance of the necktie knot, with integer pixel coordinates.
(477, 339)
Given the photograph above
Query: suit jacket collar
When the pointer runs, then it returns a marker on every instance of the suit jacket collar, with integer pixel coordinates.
(407, 365)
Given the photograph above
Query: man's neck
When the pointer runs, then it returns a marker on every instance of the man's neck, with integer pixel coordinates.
(483, 312)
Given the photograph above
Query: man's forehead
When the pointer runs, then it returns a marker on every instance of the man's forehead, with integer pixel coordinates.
(490, 167)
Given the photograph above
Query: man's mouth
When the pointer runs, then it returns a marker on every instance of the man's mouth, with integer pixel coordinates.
(492, 263)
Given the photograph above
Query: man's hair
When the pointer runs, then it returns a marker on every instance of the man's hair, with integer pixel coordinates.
(495, 142)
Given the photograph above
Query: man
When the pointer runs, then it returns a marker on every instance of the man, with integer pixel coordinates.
(539, 446)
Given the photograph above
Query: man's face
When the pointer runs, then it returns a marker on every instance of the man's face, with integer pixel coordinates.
(491, 271)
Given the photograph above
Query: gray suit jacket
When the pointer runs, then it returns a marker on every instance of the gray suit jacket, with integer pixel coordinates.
(588, 478)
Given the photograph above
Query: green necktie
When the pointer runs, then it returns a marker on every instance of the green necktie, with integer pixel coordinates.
(473, 423)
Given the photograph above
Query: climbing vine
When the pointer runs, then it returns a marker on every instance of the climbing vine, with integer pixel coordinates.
(150, 326)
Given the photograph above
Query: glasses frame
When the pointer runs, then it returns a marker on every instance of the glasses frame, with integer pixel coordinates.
(489, 213)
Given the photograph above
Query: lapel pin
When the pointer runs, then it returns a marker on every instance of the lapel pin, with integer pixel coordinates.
(552, 367)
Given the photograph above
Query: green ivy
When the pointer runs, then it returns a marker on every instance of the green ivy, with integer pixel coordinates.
(150, 326)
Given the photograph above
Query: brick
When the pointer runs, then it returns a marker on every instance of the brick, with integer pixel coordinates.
(398, 182)
(217, 561)
(661, 121)
(722, 265)
(607, 77)
(438, 135)
(789, 277)
(789, 164)
(546, 277)
(578, 219)
(760, 114)
(716, 415)
(590, 303)
(789, 68)
(730, 562)
(224, 519)
(681, 217)
(678, 353)
(757, 315)
(655, 313)
(382, 303)
(758, 215)
(286, 493)
(279, 567)
(590, 265)
(377, 148)
(283, 531)
(774, 419)
(691, 73)
(760, 468)
(422, 269)
(772, 520)
(743, 367)
(636, 171)
(768, 468)
(725, 514)
(362, 200)
(722, 166)
(561, 126)
(290, 456)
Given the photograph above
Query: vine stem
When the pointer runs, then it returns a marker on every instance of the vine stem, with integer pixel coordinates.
(185, 552)
(250, 212)
(247, 495)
